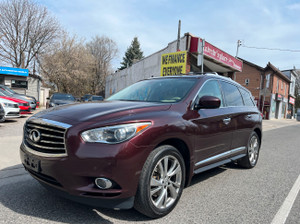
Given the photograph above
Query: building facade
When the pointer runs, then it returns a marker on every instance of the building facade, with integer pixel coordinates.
(214, 60)
(251, 78)
(21, 81)
(270, 88)
(274, 93)
(292, 75)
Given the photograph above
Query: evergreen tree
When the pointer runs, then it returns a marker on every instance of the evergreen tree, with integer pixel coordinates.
(133, 53)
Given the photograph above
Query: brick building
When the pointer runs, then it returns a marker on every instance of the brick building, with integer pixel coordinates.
(292, 75)
(275, 92)
(269, 87)
(251, 78)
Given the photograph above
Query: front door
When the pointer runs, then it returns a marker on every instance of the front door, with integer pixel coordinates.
(214, 129)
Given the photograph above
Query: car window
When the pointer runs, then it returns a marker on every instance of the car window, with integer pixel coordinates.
(169, 90)
(211, 88)
(97, 98)
(232, 95)
(63, 97)
(247, 98)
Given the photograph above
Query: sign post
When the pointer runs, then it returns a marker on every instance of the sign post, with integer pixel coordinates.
(200, 58)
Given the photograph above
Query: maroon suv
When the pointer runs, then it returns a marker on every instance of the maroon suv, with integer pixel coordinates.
(141, 146)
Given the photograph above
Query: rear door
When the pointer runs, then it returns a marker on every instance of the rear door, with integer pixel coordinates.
(239, 117)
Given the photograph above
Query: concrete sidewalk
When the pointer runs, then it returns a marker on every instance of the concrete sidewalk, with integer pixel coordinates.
(278, 123)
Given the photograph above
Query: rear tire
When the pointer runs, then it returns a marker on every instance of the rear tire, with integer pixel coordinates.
(161, 182)
(253, 147)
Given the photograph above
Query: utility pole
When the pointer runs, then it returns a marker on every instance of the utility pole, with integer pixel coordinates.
(178, 36)
(202, 55)
(239, 43)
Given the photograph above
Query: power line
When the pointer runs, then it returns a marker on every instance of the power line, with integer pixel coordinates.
(271, 49)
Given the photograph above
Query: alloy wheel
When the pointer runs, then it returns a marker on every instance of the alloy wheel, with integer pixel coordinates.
(253, 150)
(165, 182)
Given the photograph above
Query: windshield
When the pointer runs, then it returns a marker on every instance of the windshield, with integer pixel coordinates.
(63, 97)
(169, 90)
(4, 92)
(8, 89)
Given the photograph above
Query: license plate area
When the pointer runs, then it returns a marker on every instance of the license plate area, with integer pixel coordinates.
(32, 163)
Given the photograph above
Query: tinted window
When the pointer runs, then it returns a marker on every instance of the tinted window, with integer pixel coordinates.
(232, 95)
(169, 90)
(97, 98)
(211, 88)
(247, 98)
(63, 97)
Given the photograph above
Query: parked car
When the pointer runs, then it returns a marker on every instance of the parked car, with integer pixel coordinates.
(2, 113)
(11, 108)
(32, 102)
(60, 99)
(86, 97)
(141, 146)
(23, 105)
(95, 98)
(14, 92)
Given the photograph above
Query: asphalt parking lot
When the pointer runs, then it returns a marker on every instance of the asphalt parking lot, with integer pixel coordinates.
(269, 193)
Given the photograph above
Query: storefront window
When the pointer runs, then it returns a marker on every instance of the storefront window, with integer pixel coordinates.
(19, 84)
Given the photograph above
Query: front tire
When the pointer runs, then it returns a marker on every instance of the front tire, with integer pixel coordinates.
(161, 182)
(253, 147)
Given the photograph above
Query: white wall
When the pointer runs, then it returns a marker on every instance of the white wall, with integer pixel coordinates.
(143, 69)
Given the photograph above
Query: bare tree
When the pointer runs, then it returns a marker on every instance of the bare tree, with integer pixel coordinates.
(103, 49)
(68, 66)
(26, 30)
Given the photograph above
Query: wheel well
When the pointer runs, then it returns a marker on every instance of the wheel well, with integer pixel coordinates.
(184, 151)
(258, 132)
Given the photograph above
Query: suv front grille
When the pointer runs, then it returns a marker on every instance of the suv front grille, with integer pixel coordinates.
(44, 137)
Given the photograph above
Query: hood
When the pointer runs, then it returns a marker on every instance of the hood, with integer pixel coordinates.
(2, 100)
(24, 98)
(80, 112)
(14, 99)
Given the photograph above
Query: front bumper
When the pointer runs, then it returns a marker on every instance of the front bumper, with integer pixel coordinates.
(33, 106)
(12, 113)
(25, 109)
(73, 176)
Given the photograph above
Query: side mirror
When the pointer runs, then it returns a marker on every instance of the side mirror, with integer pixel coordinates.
(208, 102)
(48, 98)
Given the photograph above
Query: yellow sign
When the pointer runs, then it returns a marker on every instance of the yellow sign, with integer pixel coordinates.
(173, 63)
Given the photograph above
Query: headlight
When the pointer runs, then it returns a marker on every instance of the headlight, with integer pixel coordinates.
(52, 104)
(114, 134)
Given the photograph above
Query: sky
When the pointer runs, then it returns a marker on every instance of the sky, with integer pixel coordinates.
(273, 24)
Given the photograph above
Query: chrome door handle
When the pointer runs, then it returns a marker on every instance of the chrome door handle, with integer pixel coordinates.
(249, 116)
(226, 120)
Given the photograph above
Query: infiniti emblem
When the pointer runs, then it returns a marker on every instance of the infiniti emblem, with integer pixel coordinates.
(35, 135)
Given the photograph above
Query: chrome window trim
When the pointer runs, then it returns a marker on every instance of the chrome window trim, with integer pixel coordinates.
(220, 156)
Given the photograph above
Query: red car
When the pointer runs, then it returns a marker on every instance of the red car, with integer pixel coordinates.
(23, 105)
(140, 147)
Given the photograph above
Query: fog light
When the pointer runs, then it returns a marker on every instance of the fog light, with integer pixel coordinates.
(103, 183)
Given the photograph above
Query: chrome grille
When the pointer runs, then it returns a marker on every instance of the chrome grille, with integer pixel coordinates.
(46, 136)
